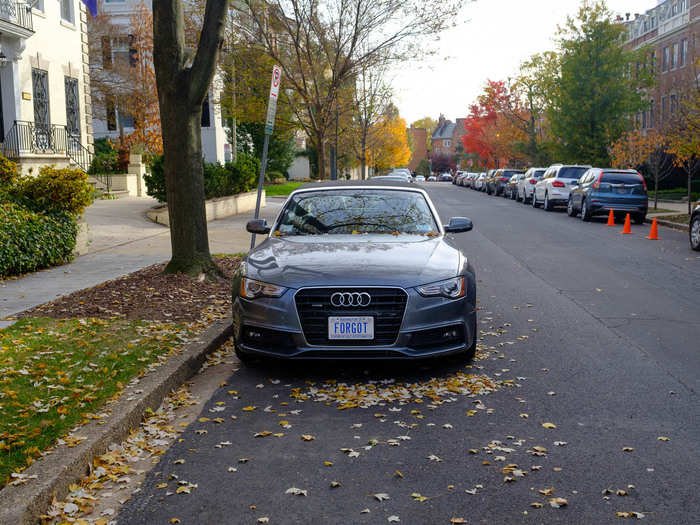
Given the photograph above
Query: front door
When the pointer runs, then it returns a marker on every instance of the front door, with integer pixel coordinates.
(42, 123)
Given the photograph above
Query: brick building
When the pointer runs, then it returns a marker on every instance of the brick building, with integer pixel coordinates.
(419, 139)
(671, 30)
(447, 136)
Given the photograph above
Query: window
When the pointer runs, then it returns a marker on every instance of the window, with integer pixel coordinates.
(651, 113)
(664, 61)
(446, 143)
(683, 56)
(106, 52)
(206, 116)
(39, 5)
(67, 11)
(664, 109)
(653, 62)
(674, 55)
(674, 104)
(111, 116)
(72, 106)
(644, 120)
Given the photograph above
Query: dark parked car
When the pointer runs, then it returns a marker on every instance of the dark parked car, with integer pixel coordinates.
(511, 189)
(356, 271)
(497, 182)
(445, 177)
(600, 190)
(694, 229)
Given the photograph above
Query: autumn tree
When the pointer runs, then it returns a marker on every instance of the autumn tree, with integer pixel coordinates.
(596, 92)
(122, 76)
(320, 45)
(183, 78)
(644, 148)
(429, 125)
(389, 144)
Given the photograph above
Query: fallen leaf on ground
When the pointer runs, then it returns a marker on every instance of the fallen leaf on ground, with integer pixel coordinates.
(558, 502)
(307, 437)
(381, 496)
(549, 425)
(663, 438)
(295, 491)
(393, 519)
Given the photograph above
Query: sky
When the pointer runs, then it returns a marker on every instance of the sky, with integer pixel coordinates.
(494, 37)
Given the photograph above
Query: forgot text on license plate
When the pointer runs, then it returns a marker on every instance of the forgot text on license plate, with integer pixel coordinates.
(351, 327)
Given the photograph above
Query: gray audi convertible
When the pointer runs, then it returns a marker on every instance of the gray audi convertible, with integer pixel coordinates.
(356, 271)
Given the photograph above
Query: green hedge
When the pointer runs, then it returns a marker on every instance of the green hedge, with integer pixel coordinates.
(30, 240)
(219, 180)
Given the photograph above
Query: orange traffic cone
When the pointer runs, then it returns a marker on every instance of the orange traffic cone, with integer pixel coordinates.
(627, 228)
(611, 219)
(654, 233)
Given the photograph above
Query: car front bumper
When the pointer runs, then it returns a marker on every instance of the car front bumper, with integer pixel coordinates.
(431, 326)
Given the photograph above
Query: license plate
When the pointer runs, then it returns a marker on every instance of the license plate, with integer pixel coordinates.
(351, 327)
(621, 191)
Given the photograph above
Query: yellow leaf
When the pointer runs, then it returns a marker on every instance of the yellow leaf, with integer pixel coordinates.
(218, 420)
(179, 461)
(161, 485)
(398, 474)
(307, 437)
(328, 463)
(547, 492)
(174, 520)
(663, 438)
(203, 419)
(549, 425)
(536, 504)
(249, 408)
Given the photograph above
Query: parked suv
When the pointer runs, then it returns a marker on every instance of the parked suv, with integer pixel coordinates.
(554, 186)
(695, 229)
(526, 183)
(497, 182)
(601, 190)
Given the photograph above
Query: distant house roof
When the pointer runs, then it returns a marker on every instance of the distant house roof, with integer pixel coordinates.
(444, 130)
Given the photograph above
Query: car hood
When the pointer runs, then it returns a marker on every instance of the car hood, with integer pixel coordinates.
(351, 260)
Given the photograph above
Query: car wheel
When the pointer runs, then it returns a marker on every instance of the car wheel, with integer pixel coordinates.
(570, 210)
(639, 218)
(547, 204)
(695, 233)
(585, 212)
(534, 199)
(246, 359)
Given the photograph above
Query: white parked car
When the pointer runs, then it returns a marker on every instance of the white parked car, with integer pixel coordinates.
(526, 184)
(556, 183)
(478, 183)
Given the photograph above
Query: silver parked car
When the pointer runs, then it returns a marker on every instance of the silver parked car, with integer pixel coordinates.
(526, 184)
(356, 271)
(554, 186)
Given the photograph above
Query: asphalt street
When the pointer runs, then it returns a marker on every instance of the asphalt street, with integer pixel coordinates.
(589, 354)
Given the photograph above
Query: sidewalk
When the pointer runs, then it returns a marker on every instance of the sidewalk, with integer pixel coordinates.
(123, 240)
(676, 206)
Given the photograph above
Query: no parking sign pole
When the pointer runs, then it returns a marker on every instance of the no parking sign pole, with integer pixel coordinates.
(269, 125)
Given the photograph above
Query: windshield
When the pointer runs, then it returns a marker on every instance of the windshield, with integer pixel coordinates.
(356, 211)
(571, 172)
(621, 178)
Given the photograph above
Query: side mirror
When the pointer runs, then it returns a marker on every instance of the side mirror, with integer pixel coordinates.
(459, 225)
(258, 226)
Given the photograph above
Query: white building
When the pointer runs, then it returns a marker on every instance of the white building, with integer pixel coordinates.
(45, 110)
(107, 123)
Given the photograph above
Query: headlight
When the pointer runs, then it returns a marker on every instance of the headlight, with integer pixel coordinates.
(250, 289)
(452, 289)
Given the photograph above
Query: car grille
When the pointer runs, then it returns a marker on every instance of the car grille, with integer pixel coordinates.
(387, 307)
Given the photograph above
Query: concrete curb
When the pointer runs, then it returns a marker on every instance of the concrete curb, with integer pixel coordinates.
(674, 225)
(23, 504)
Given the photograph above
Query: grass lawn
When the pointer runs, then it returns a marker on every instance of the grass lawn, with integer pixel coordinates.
(55, 374)
(682, 218)
(659, 210)
(272, 190)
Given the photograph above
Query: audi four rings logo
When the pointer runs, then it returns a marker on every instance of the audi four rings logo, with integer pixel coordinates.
(350, 299)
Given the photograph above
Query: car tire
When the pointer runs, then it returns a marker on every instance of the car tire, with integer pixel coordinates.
(534, 199)
(639, 218)
(585, 212)
(547, 206)
(694, 233)
(243, 357)
(570, 210)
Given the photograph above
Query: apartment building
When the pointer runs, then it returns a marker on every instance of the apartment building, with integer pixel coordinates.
(45, 105)
(671, 31)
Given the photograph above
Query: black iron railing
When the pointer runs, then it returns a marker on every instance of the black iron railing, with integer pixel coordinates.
(18, 13)
(28, 138)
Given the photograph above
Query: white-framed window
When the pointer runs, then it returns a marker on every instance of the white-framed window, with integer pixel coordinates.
(38, 5)
(67, 12)
(683, 55)
(665, 60)
(446, 143)
(674, 55)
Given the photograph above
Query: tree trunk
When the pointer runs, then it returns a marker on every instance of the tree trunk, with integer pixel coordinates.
(363, 160)
(184, 183)
(321, 151)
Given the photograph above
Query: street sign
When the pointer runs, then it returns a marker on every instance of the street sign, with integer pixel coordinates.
(272, 102)
(269, 125)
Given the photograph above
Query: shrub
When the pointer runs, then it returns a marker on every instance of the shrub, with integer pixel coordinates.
(219, 180)
(106, 159)
(30, 240)
(64, 190)
(9, 173)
